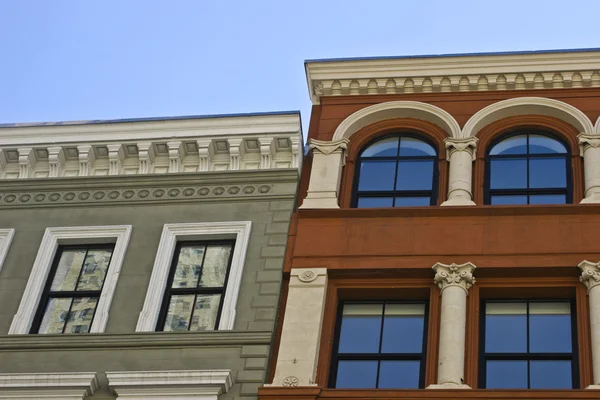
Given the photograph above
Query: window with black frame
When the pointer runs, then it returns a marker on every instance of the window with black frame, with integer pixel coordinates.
(73, 288)
(528, 345)
(196, 286)
(380, 344)
(528, 168)
(396, 171)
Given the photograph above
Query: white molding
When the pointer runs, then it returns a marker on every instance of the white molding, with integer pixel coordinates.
(240, 230)
(397, 109)
(52, 238)
(163, 385)
(6, 236)
(597, 127)
(527, 106)
(63, 386)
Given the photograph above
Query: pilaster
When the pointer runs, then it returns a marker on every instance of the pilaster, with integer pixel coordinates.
(590, 277)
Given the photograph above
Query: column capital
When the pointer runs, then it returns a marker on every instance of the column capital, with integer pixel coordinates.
(460, 275)
(590, 274)
(460, 144)
(587, 141)
(327, 147)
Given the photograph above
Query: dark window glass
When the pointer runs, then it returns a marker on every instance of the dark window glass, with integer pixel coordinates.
(528, 345)
(380, 345)
(529, 166)
(73, 289)
(396, 167)
(197, 280)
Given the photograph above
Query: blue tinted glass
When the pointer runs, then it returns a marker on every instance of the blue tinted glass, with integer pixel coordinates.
(356, 374)
(374, 202)
(506, 327)
(508, 173)
(539, 144)
(508, 199)
(415, 147)
(547, 173)
(414, 175)
(377, 175)
(399, 374)
(412, 201)
(512, 145)
(506, 375)
(361, 327)
(548, 374)
(548, 199)
(383, 148)
(554, 318)
(403, 328)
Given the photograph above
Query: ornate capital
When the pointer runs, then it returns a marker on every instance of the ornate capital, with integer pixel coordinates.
(460, 144)
(587, 141)
(460, 275)
(590, 274)
(328, 147)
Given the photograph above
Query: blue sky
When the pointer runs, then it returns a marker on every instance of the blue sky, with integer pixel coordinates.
(104, 59)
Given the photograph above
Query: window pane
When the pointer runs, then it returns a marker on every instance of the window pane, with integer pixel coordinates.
(374, 202)
(508, 173)
(94, 270)
(178, 314)
(215, 266)
(548, 199)
(403, 328)
(506, 327)
(512, 145)
(508, 200)
(55, 315)
(539, 144)
(506, 375)
(399, 374)
(550, 374)
(361, 328)
(547, 173)
(356, 374)
(414, 147)
(80, 317)
(415, 175)
(205, 312)
(554, 318)
(189, 266)
(377, 175)
(412, 201)
(383, 148)
(68, 269)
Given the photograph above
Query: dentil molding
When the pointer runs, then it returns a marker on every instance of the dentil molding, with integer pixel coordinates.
(460, 275)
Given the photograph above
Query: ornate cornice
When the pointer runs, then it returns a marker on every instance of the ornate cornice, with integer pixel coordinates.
(328, 147)
(590, 274)
(460, 275)
(460, 144)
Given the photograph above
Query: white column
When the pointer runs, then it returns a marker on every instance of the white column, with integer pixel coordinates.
(590, 277)
(589, 149)
(325, 174)
(301, 333)
(454, 281)
(460, 152)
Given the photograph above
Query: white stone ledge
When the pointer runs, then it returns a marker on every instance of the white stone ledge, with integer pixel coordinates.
(63, 386)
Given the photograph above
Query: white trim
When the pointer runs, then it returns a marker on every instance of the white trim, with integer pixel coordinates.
(6, 236)
(171, 233)
(597, 127)
(63, 386)
(527, 106)
(53, 237)
(397, 109)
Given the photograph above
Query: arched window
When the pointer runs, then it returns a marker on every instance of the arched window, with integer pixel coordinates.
(528, 168)
(396, 171)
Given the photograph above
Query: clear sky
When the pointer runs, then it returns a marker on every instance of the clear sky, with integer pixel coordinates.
(105, 59)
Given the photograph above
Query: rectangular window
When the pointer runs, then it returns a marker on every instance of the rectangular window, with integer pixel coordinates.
(73, 289)
(196, 286)
(529, 344)
(380, 344)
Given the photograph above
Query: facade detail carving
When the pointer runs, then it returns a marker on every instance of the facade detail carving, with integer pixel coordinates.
(290, 381)
(460, 152)
(590, 277)
(589, 149)
(459, 275)
(590, 274)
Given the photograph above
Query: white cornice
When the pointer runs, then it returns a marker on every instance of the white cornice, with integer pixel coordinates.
(453, 74)
(67, 385)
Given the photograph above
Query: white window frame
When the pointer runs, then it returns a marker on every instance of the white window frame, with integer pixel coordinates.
(54, 237)
(6, 236)
(173, 233)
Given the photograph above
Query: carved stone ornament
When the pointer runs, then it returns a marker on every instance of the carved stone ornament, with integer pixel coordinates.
(307, 276)
(460, 275)
(590, 274)
(328, 147)
(290, 381)
(587, 141)
(460, 144)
